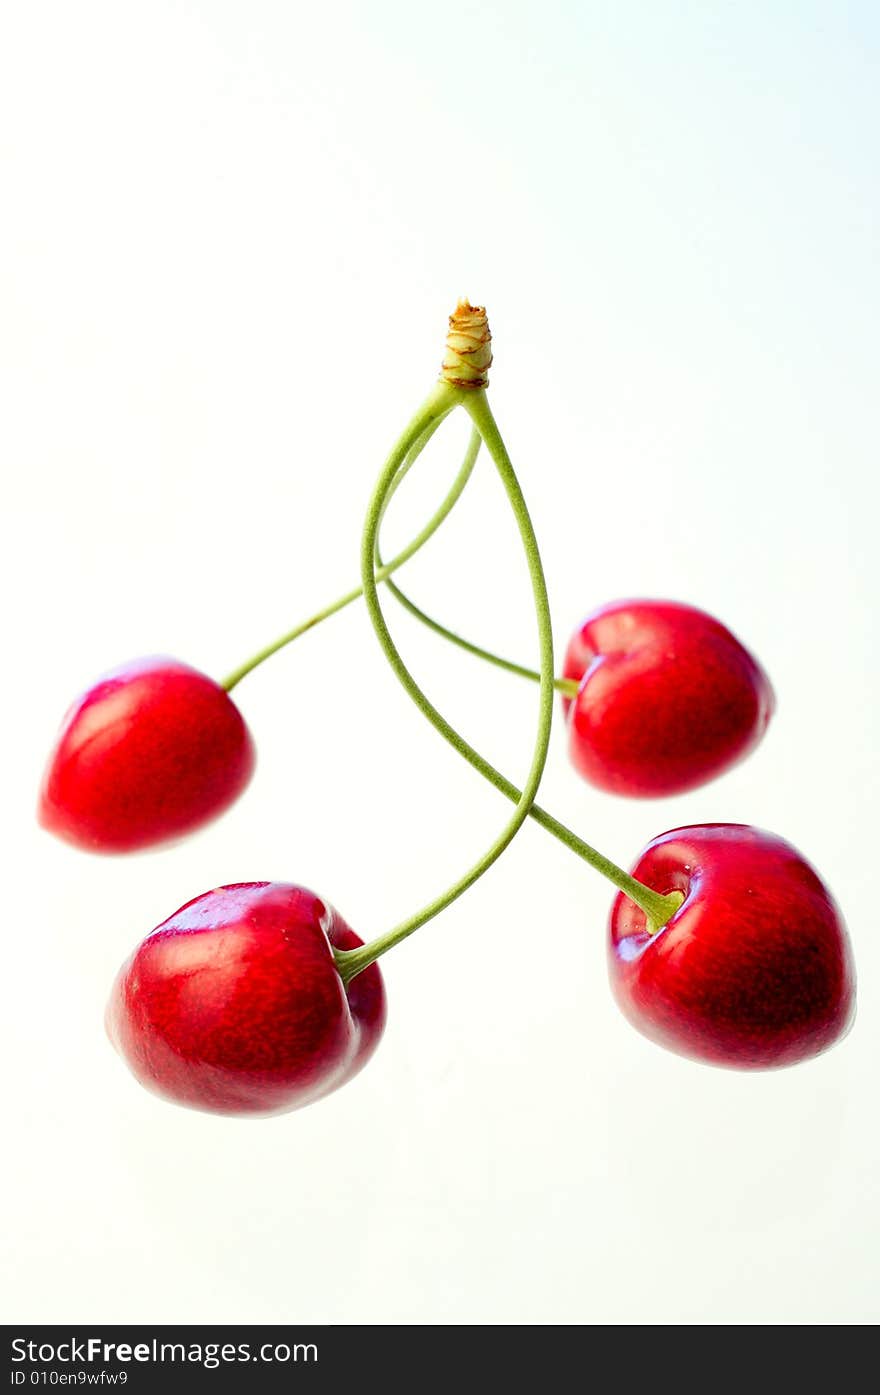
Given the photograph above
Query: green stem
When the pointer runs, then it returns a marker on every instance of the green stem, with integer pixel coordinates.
(657, 908)
(568, 686)
(384, 570)
(388, 568)
(352, 962)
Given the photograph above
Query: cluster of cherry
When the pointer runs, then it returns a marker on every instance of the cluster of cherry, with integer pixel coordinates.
(258, 998)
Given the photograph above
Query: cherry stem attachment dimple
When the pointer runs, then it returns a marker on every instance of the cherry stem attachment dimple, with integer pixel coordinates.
(352, 962)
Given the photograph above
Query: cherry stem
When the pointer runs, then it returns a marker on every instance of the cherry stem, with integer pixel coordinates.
(384, 570)
(568, 686)
(387, 568)
(352, 962)
(657, 908)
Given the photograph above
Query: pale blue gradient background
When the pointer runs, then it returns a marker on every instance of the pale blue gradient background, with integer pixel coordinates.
(230, 239)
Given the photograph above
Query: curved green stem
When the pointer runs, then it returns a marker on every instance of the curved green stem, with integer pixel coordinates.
(388, 568)
(568, 686)
(352, 962)
(384, 570)
(657, 907)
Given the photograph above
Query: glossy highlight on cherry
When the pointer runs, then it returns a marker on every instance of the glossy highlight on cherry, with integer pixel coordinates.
(753, 970)
(668, 698)
(152, 751)
(235, 1004)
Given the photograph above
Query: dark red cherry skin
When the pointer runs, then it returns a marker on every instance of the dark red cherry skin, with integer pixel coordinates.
(753, 970)
(234, 1004)
(668, 698)
(150, 752)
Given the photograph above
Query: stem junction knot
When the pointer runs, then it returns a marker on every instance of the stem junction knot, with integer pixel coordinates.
(468, 354)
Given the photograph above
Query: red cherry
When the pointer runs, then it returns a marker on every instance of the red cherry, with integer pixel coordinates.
(148, 753)
(668, 698)
(235, 1004)
(753, 970)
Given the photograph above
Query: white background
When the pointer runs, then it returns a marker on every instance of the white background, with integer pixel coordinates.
(231, 237)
